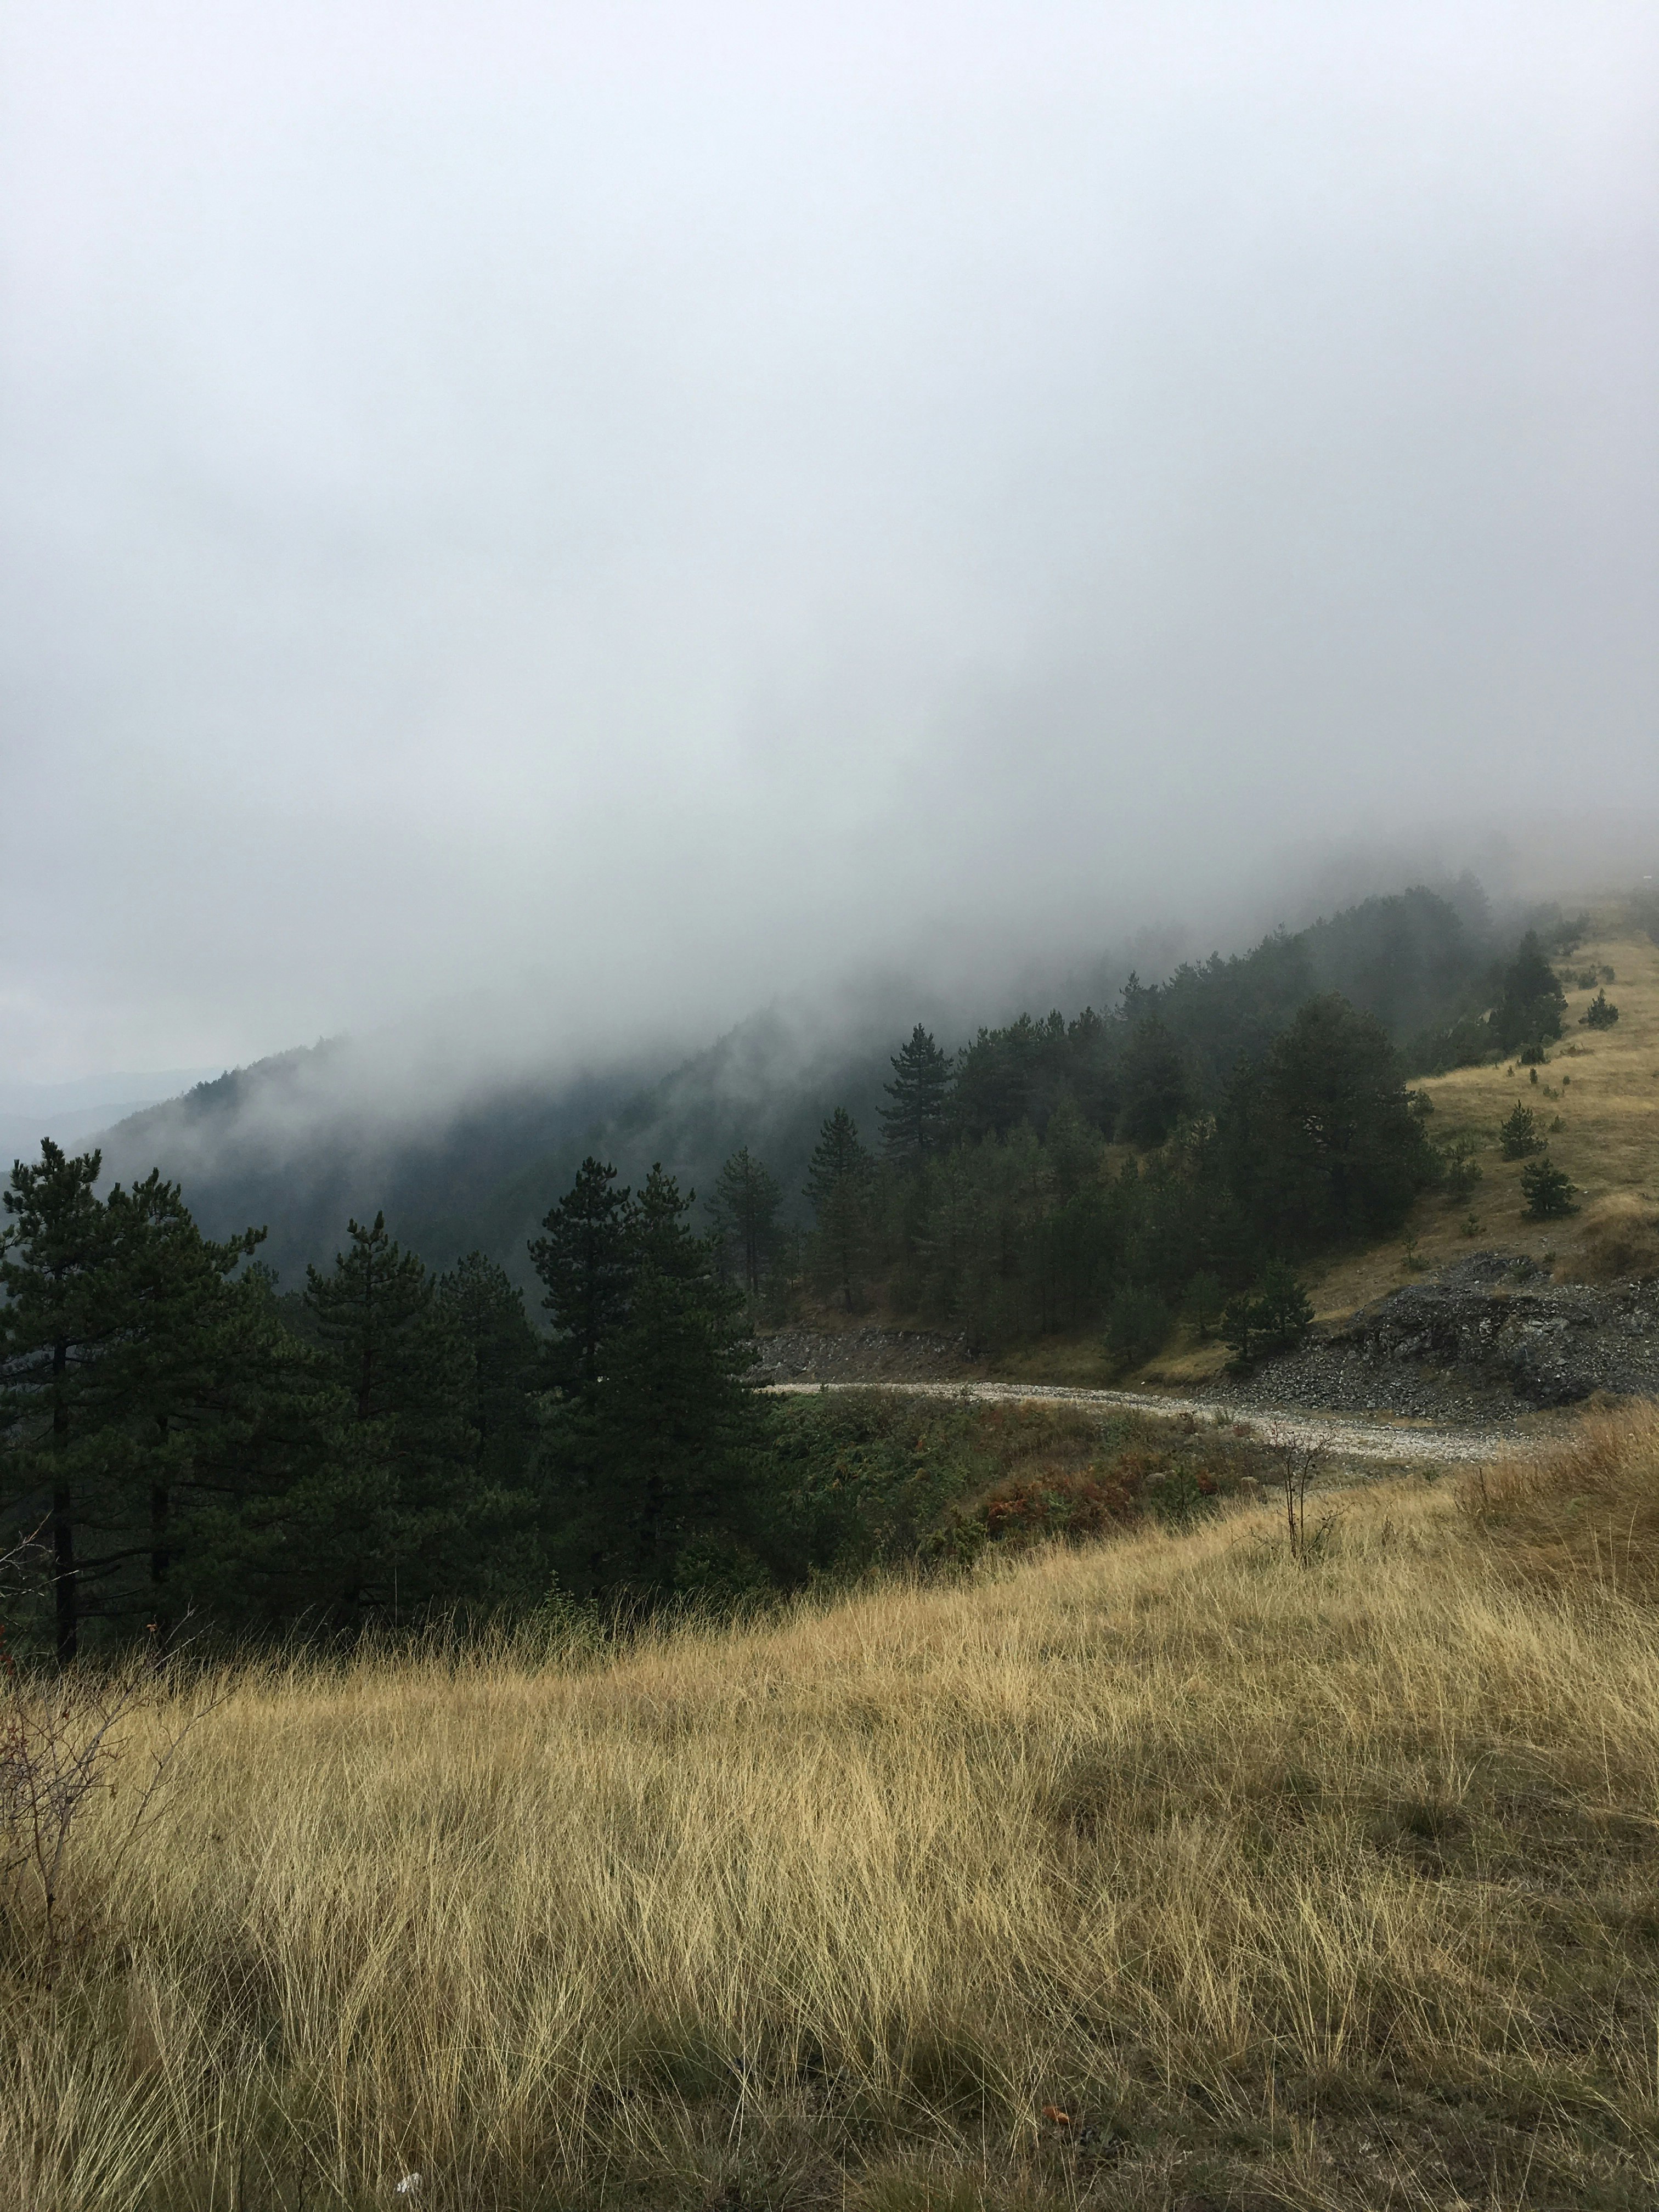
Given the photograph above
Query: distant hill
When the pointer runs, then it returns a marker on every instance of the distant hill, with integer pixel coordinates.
(70, 1113)
(302, 1140)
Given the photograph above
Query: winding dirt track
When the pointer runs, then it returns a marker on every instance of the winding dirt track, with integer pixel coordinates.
(1401, 1443)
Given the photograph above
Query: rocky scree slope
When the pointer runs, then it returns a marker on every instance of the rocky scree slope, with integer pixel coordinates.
(1491, 1333)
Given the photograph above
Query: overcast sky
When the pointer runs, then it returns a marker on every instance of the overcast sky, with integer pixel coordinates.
(615, 509)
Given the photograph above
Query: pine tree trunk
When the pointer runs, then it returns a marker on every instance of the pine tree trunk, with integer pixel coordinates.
(65, 1583)
(161, 1560)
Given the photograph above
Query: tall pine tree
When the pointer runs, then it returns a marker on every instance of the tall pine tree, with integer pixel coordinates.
(651, 1450)
(839, 1183)
(484, 1310)
(586, 1259)
(169, 1374)
(399, 1507)
(745, 1211)
(119, 1379)
(918, 1121)
(58, 1319)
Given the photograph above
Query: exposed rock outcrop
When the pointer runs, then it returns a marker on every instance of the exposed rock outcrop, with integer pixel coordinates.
(1488, 1329)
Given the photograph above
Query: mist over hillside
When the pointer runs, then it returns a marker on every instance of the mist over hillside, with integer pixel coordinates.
(71, 1113)
(300, 1142)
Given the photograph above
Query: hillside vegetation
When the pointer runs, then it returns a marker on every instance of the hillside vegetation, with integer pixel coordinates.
(1069, 1199)
(1596, 1104)
(1594, 1097)
(301, 1140)
(1167, 1871)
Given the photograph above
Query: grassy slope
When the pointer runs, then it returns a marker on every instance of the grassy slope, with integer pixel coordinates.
(1609, 1145)
(1322, 1887)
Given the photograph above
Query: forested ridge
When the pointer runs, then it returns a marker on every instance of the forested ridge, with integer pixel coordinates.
(274, 1143)
(187, 1436)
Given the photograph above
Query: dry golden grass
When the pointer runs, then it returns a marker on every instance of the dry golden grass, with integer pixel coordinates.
(1587, 1514)
(1617, 1236)
(1324, 1887)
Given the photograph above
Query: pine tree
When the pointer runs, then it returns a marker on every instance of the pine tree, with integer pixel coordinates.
(168, 1377)
(916, 1125)
(1320, 1141)
(586, 1260)
(191, 1444)
(1284, 1311)
(1156, 1087)
(1531, 1003)
(485, 1311)
(1518, 1134)
(656, 1452)
(744, 1210)
(399, 1508)
(838, 1183)
(58, 1321)
(256, 1542)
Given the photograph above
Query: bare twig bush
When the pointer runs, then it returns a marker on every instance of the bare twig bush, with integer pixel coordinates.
(64, 1739)
(1297, 1460)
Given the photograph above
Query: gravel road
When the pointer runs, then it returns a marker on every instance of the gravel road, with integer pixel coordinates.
(1403, 1442)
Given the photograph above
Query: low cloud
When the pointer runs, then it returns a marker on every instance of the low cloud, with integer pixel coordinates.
(546, 530)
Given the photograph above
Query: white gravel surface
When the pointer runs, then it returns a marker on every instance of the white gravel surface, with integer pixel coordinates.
(1402, 1442)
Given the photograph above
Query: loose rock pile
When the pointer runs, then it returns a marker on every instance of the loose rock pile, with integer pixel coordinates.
(864, 1355)
(1488, 1333)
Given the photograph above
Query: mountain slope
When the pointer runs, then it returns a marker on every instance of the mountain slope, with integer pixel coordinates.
(300, 1141)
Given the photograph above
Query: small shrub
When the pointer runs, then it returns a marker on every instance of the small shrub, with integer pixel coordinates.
(1548, 1191)
(1182, 1496)
(61, 1738)
(1599, 1014)
(1519, 1137)
(1459, 1170)
(1297, 1460)
(1076, 1506)
(1276, 1317)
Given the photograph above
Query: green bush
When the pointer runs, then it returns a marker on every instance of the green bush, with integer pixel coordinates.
(1518, 1136)
(1459, 1170)
(1599, 1014)
(1548, 1192)
(1277, 1316)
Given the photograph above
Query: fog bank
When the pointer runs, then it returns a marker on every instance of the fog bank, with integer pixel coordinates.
(554, 527)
